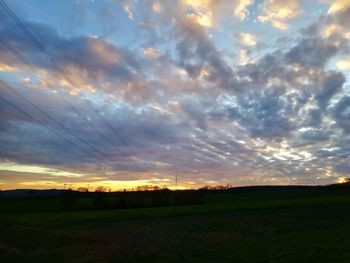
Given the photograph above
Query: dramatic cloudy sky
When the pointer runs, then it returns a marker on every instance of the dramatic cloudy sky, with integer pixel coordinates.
(132, 92)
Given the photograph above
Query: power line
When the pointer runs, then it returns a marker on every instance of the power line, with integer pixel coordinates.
(71, 132)
(60, 69)
(53, 131)
(31, 68)
(4, 42)
(29, 116)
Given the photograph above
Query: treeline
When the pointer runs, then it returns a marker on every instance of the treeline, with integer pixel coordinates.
(27, 200)
(141, 188)
(155, 196)
(102, 200)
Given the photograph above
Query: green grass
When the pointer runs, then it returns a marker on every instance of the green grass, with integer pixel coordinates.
(267, 227)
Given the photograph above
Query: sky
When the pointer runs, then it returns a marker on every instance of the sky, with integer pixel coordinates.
(130, 92)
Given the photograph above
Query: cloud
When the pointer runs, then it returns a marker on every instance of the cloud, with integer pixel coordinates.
(263, 114)
(157, 6)
(17, 129)
(343, 64)
(278, 11)
(313, 117)
(247, 39)
(338, 6)
(196, 53)
(6, 68)
(129, 6)
(97, 56)
(331, 84)
(241, 10)
(314, 52)
(342, 114)
(336, 25)
(208, 13)
(314, 135)
(151, 52)
(244, 58)
(90, 62)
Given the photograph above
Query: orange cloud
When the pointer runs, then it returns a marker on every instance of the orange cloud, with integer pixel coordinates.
(6, 68)
(278, 11)
(151, 52)
(247, 39)
(206, 12)
(338, 5)
(343, 64)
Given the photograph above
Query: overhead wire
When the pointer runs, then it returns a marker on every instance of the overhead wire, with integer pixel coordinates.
(47, 115)
(76, 111)
(62, 71)
(29, 116)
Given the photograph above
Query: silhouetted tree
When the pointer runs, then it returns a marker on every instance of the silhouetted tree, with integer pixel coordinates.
(148, 188)
(83, 190)
(101, 189)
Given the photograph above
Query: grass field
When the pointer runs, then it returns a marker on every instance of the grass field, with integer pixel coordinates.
(268, 226)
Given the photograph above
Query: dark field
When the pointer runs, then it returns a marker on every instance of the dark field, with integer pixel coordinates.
(249, 225)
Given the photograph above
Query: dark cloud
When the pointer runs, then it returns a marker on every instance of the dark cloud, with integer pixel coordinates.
(343, 168)
(196, 52)
(270, 65)
(313, 117)
(341, 113)
(312, 52)
(314, 135)
(331, 84)
(92, 55)
(263, 114)
(97, 56)
(340, 18)
(37, 145)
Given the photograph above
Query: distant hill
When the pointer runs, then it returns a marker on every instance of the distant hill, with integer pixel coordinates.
(27, 193)
(19, 193)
